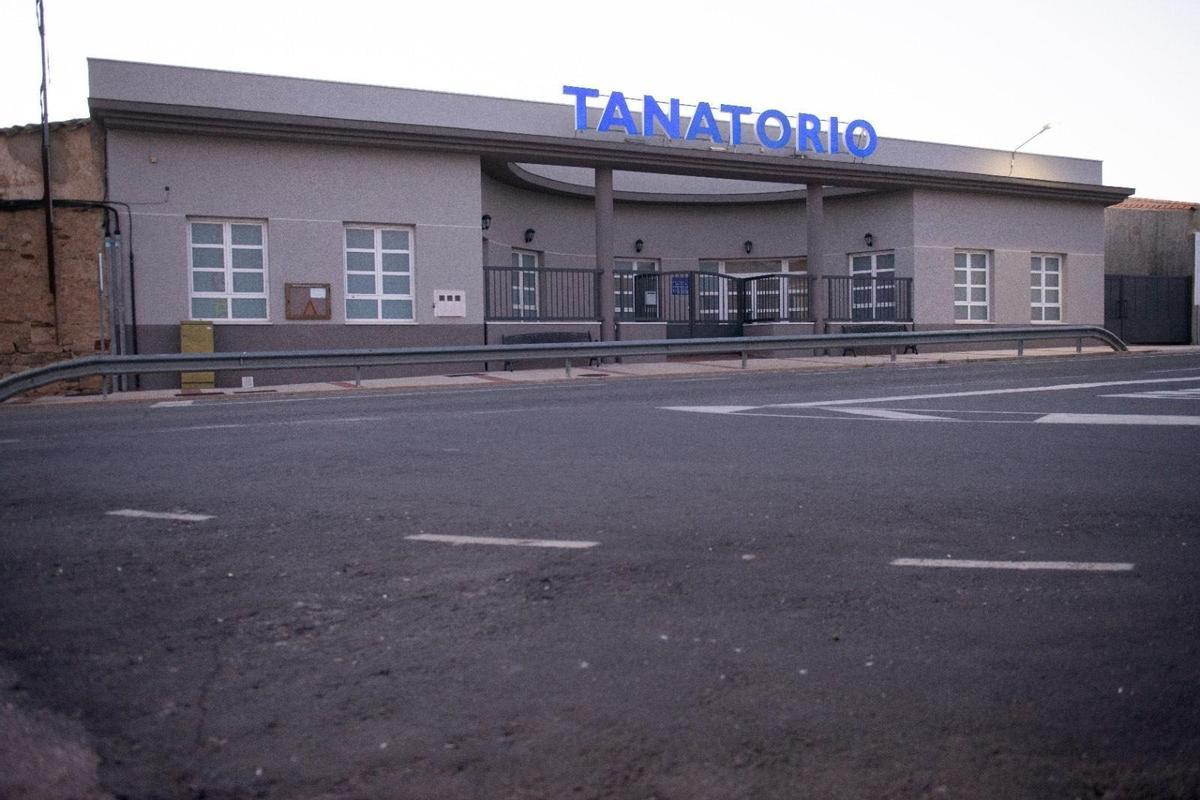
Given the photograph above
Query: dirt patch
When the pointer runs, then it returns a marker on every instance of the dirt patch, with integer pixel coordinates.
(43, 756)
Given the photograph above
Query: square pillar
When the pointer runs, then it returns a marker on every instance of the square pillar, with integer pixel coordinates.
(604, 254)
(814, 220)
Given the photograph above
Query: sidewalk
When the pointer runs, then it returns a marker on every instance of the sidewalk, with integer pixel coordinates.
(674, 369)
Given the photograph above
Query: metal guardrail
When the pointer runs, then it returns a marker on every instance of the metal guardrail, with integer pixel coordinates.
(358, 359)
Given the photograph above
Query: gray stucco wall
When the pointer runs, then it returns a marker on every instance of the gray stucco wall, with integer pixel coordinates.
(679, 236)
(887, 217)
(1150, 242)
(1010, 229)
(306, 193)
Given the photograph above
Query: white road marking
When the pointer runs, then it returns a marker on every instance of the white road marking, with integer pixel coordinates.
(711, 409)
(567, 544)
(173, 404)
(1166, 394)
(883, 413)
(9, 441)
(1062, 387)
(1117, 419)
(505, 411)
(978, 411)
(181, 516)
(1076, 566)
(233, 425)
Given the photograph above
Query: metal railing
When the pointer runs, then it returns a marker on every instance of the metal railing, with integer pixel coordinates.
(545, 294)
(865, 298)
(481, 354)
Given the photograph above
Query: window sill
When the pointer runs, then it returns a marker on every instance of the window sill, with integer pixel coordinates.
(380, 322)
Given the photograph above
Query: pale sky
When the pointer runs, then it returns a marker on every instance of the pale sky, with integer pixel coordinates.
(1114, 78)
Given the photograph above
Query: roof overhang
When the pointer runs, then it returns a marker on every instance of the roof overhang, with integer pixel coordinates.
(629, 155)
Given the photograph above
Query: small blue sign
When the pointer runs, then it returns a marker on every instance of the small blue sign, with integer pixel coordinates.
(679, 285)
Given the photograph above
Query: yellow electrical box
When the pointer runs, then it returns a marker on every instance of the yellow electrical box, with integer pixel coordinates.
(196, 337)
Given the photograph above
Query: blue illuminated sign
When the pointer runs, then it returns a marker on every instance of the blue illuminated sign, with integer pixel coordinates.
(773, 129)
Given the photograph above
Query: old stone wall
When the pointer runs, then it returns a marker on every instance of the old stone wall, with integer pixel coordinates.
(37, 326)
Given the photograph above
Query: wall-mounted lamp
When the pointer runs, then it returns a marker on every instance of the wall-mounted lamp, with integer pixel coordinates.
(638, 245)
(486, 221)
(870, 240)
(749, 245)
(529, 235)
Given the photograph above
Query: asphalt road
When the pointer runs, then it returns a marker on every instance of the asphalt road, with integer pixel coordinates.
(738, 629)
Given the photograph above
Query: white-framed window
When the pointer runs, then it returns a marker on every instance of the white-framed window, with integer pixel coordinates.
(227, 270)
(523, 283)
(1045, 280)
(971, 283)
(766, 298)
(873, 286)
(627, 286)
(379, 274)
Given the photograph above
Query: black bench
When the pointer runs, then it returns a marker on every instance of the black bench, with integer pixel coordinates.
(548, 337)
(877, 327)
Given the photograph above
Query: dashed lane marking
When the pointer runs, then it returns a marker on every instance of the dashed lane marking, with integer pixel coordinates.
(1070, 566)
(236, 425)
(181, 516)
(173, 404)
(568, 544)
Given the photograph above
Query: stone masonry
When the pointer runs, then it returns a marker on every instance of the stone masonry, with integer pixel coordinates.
(36, 326)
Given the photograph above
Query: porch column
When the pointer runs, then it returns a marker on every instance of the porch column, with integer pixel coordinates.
(604, 252)
(814, 219)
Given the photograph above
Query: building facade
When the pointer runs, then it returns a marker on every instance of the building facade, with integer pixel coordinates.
(301, 214)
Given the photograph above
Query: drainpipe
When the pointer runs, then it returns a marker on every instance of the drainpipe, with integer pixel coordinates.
(51, 267)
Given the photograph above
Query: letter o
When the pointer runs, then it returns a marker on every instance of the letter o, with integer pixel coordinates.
(785, 129)
(851, 138)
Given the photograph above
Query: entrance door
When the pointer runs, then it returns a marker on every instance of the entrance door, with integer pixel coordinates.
(636, 288)
(700, 304)
(873, 287)
(523, 284)
(1148, 309)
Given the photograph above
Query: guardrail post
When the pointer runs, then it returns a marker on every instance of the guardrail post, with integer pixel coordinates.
(1020, 347)
(893, 349)
(358, 377)
(568, 366)
(1079, 345)
(743, 359)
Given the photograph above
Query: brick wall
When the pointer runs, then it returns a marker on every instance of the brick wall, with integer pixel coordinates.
(36, 326)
